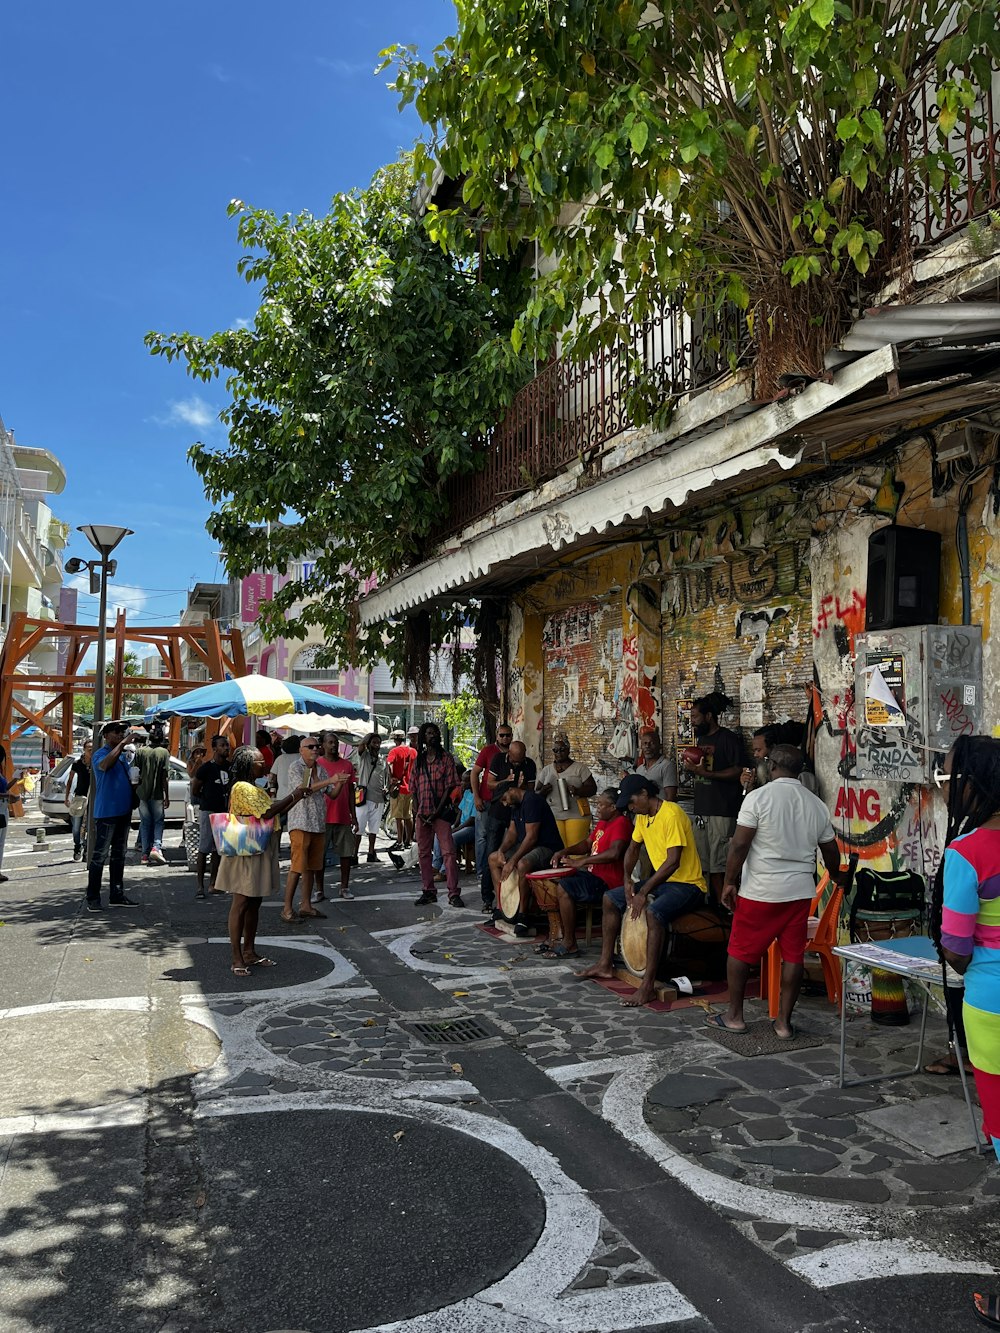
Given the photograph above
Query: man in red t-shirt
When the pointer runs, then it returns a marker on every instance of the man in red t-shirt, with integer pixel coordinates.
(604, 854)
(400, 761)
(341, 817)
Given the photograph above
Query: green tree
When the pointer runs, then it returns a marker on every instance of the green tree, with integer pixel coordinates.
(749, 153)
(83, 704)
(374, 364)
(463, 716)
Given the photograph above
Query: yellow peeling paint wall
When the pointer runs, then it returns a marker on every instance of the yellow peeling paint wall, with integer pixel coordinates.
(736, 612)
(584, 661)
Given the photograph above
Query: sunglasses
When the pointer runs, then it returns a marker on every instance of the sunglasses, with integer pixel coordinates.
(308, 747)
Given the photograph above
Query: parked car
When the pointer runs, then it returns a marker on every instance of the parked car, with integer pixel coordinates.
(52, 801)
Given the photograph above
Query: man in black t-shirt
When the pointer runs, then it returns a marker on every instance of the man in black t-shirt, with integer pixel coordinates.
(211, 786)
(717, 790)
(511, 765)
(530, 842)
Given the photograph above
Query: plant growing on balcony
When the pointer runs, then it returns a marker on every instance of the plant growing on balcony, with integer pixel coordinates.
(374, 361)
(770, 156)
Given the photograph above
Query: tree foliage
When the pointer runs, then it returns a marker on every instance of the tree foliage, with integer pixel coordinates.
(759, 154)
(374, 363)
(83, 704)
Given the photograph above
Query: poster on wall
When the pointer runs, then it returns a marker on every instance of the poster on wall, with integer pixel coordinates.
(752, 699)
(885, 690)
(685, 727)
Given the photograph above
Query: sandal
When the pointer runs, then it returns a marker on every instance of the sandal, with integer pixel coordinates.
(792, 1034)
(262, 962)
(717, 1021)
(346, 893)
(319, 897)
(201, 894)
(560, 951)
(286, 916)
(544, 948)
(240, 970)
(944, 1069)
(320, 915)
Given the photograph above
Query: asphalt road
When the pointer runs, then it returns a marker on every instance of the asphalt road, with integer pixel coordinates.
(185, 1153)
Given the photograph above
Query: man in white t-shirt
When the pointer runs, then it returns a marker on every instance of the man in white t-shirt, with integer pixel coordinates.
(778, 829)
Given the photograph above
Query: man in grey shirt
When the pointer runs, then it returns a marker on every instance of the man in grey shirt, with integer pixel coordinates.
(654, 766)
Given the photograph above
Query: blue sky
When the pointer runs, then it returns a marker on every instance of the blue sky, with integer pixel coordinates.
(127, 129)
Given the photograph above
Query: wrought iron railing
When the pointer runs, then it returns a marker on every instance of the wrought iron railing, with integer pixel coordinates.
(975, 144)
(571, 410)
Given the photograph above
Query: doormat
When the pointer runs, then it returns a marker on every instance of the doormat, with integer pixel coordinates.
(760, 1039)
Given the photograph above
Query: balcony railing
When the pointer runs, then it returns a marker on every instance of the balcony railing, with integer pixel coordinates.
(936, 213)
(572, 410)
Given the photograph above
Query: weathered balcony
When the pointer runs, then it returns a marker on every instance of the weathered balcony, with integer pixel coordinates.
(571, 410)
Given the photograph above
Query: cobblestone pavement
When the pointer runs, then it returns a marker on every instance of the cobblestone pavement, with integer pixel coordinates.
(783, 1158)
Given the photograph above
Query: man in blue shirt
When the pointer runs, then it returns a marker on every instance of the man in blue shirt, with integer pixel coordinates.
(531, 841)
(112, 799)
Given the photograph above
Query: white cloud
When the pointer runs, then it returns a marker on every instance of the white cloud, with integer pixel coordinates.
(241, 323)
(219, 74)
(193, 411)
(347, 69)
(127, 595)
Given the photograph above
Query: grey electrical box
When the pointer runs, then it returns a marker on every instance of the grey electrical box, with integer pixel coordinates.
(916, 690)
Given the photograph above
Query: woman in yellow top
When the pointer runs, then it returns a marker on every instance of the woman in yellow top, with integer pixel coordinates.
(251, 878)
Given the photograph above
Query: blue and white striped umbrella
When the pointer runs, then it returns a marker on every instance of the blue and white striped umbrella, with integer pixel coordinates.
(257, 696)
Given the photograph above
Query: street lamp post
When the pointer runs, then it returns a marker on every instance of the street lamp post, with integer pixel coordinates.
(103, 538)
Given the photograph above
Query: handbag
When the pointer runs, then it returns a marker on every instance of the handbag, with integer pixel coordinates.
(236, 836)
(77, 805)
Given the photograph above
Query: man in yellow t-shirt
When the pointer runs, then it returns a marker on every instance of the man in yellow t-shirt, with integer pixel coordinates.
(677, 884)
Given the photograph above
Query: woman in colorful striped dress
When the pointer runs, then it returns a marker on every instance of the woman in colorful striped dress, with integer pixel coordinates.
(966, 915)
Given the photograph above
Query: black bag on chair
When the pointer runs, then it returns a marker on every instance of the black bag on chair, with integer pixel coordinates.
(893, 892)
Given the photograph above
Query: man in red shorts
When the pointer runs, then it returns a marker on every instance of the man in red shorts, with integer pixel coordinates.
(778, 829)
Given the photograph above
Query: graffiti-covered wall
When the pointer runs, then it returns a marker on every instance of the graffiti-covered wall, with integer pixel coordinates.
(736, 613)
(888, 823)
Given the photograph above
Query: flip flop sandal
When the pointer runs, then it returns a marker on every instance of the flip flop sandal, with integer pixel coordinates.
(201, 894)
(941, 1069)
(285, 917)
(987, 1309)
(716, 1021)
(543, 948)
(262, 962)
(345, 894)
(240, 971)
(562, 952)
(321, 916)
(792, 1034)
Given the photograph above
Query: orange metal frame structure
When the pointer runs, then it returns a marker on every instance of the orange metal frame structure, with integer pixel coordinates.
(220, 652)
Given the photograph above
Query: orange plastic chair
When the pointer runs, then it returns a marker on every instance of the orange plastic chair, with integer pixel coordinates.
(823, 935)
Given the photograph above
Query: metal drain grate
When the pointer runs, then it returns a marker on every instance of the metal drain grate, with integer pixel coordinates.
(449, 1031)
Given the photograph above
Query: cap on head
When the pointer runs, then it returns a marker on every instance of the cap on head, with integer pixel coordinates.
(399, 734)
(631, 786)
(112, 726)
(413, 731)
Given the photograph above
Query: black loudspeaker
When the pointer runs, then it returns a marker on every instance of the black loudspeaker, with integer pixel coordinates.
(904, 574)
